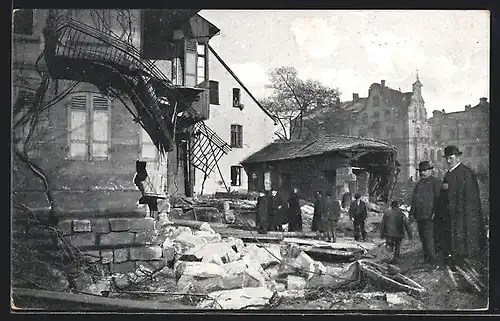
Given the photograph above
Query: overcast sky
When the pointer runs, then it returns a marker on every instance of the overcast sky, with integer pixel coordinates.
(350, 50)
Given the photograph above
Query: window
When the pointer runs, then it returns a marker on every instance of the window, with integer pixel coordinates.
(479, 151)
(148, 149)
(237, 136)
(236, 97)
(375, 100)
(467, 132)
(89, 126)
(452, 133)
(190, 64)
(214, 92)
(376, 115)
(426, 154)
(468, 151)
(235, 175)
(387, 114)
(23, 21)
(433, 155)
(437, 136)
(201, 63)
(439, 155)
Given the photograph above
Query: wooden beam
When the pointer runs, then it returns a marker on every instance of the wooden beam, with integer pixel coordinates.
(93, 300)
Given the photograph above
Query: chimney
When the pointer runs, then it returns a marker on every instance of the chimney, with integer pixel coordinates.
(467, 107)
(355, 97)
(483, 100)
(382, 82)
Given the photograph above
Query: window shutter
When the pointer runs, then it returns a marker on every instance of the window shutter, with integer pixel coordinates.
(100, 102)
(79, 101)
(214, 92)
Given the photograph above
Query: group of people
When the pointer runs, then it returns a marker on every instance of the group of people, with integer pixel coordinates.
(327, 212)
(274, 211)
(448, 213)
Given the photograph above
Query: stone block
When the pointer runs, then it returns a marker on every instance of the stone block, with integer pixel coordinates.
(146, 253)
(65, 227)
(92, 256)
(106, 256)
(124, 267)
(119, 224)
(117, 238)
(121, 281)
(142, 224)
(152, 265)
(296, 283)
(120, 255)
(82, 239)
(146, 237)
(82, 226)
(168, 253)
(83, 282)
(101, 226)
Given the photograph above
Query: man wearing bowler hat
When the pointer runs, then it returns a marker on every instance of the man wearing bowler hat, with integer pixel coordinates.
(423, 208)
(459, 223)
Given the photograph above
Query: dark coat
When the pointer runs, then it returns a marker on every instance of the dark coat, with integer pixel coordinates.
(320, 210)
(424, 199)
(281, 214)
(262, 217)
(394, 223)
(333, 210)
(358, 215)
(272, 205)
(459, 220)
(294, 213)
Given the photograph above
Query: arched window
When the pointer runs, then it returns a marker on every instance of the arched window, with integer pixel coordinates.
(387, 114)
(433, 155)
(426, 154)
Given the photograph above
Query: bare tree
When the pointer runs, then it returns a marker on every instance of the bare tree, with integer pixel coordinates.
(293, 97)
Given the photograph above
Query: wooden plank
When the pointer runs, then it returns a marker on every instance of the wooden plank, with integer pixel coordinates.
(339, 245)
(86, 299)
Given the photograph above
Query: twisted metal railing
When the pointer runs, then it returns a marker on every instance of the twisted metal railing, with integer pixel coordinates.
(207, 149)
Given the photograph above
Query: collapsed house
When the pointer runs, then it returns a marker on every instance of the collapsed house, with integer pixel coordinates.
(335, 164)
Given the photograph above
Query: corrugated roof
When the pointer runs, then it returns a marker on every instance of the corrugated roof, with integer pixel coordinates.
(314, 146)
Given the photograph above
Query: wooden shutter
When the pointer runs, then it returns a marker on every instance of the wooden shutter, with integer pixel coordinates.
(78, 116)
(190, 63)
(214, 92)
(100, 126)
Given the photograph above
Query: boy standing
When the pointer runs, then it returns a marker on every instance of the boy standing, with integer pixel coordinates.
(392, 229)
(332, 217)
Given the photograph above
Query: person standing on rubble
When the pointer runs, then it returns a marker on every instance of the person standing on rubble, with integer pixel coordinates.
(332, 217)
(423, 208)
(320, 209)
(262, 217)
(272, 210)
(294, 212)
(392, 228)
(150, 195)
(358, 214)
(460, 227)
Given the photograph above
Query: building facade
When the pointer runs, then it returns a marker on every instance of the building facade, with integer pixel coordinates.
(89, 139)
(238, 118)
(400, 118)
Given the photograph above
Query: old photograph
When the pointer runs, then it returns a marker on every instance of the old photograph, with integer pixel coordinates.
(250, 160)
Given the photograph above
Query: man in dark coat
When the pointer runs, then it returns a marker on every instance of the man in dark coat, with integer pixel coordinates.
(262, 217)
(281, 214)
(358, 214)
(392, 228)
(273, 204)
(332, 216)
(423, 207)
(459, 222)
(320, 209)
(294, 212)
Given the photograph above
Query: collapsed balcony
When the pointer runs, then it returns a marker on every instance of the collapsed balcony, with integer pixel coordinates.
(79, 52)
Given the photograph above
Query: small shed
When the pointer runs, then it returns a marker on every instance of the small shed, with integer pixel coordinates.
(331, 164)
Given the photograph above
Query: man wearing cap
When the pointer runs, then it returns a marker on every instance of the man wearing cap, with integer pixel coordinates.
(423, 207)
(459, 223)
(358, 214)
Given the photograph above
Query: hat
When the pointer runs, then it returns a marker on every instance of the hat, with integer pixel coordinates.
(425, 165)
(357, 196)
(451, 150)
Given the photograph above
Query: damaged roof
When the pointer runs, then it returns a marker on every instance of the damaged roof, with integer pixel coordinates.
(313, 147)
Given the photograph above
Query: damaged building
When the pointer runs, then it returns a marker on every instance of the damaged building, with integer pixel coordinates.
(335, 164)
(102, 89)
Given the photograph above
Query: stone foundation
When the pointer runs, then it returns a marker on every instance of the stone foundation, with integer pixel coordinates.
(120, 244)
